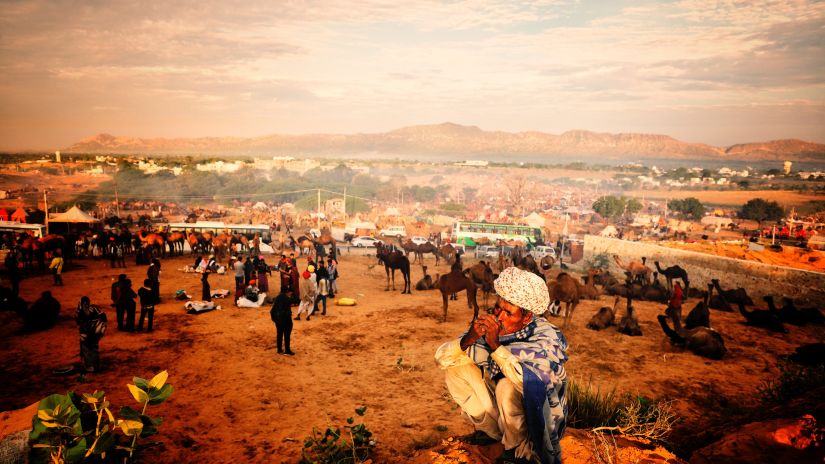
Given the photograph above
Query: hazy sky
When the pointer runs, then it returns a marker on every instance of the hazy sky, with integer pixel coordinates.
(719, 72)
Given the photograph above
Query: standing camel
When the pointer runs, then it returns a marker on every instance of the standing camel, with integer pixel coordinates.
(454, 282)
(564, 289)
(671, 273)
(482, 276)
(393, 260)
(153, 240)
(427, 248)
(636, 269)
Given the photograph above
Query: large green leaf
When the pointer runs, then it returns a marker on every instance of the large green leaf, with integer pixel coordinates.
(159, 380)
(138, 393)
(143, 384)
(159, 396)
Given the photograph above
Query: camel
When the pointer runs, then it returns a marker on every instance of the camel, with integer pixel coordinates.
(727, 297)
(153, 240)
(547, 262)
(304, 243)
(811, 354)
(701, 341)
(409, 247)
(426, 282)
(655, 291)
(629, 324)
(503, 262)
(195, 243)
(220, 244)
(175, 241)
(427, 248)
(589, 290)
(448, 253)
(326, 239)
(761, 318)
(671, 273)
(564, 289)
(788, 314)
(454, 282)
(235, 239)
(393, 260)
(637, 270)
(605, 317)
(482, 276)
(699, 316)
(811, 314)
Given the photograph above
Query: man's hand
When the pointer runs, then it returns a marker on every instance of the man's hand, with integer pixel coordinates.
(477, 330)
(492, 328)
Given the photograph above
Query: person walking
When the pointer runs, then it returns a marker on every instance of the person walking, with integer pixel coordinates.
(206, 291)
(147, 304)
(507, 372)
(281, 314)
(323, 287)
(237, 266)
(125, 306)
(308, 292)
(92, 324)
(13, 269)
(57, 268)
(332, 270)
(263, 274)
(153, 274)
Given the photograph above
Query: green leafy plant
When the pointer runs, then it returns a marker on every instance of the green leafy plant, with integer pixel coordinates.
(353, 444)
(598, 261)
(74, 428)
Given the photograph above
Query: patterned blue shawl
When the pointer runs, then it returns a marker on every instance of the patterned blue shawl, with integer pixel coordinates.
(542, 351)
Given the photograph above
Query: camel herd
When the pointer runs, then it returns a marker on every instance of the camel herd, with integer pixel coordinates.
(640, 282)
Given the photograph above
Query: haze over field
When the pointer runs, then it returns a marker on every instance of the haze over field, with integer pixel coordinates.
(715, 73)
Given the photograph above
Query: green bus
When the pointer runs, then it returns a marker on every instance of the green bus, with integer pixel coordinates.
(468, 232)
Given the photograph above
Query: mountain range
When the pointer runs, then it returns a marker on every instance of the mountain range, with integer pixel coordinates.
(454, 141)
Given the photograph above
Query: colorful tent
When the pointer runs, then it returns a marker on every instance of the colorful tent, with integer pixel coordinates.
(4, 215)
(20, 215)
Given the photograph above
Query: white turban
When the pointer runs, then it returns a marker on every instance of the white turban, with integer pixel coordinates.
(524, 289)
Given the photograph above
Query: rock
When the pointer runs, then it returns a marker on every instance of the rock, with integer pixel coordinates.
(774, 441)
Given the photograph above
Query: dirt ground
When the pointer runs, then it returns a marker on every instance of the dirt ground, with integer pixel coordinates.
(236, 400)
(732, 198)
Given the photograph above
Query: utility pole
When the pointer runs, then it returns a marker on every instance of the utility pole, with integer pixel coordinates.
(345, 206)
(117, 202)
(46, 207)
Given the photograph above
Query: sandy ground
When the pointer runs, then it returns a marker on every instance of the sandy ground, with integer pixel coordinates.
(799, 258)
(236, 400)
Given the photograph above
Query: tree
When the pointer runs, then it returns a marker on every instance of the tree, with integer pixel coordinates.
(609, 206)
(761, 210)
(516, 187)
(632, 206)
(689, 208)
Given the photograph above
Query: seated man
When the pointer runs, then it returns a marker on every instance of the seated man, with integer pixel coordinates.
(507, 375)
(251, 291)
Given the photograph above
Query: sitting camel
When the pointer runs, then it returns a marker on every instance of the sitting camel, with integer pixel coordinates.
(564, 289)
(702, 341)
(426, 282)
(699, 316)
(761, 318)
(810, 314)
(725, 298)
(788, 315)
(605, 317)
(454, 282)
(629, 325)
(637, 270)
(589, 290)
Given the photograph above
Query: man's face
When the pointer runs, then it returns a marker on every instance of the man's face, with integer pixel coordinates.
(512, 317)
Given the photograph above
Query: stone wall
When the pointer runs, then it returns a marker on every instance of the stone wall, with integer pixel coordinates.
(757, 278)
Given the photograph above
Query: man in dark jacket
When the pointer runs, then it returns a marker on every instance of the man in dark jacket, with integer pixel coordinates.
(91, 322)
(281, 314)
(147, 304)
(153, 274)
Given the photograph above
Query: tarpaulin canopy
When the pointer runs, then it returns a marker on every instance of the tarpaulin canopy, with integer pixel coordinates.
(73, 215)
(4, 215)
(20, 215)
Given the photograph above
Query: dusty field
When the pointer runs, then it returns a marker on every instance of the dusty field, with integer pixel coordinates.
(64, 187)
(236, 400)
(790, 256)
(726, 197)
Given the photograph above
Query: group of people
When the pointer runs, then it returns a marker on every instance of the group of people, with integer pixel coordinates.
(123, 299)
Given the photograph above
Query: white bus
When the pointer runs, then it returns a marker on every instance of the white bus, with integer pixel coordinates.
(216, 227)
(468, 232)
(35, 230)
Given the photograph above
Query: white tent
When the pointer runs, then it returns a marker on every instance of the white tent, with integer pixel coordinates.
(260, 206)
(609, 231)
(73, 215)
(534, 219)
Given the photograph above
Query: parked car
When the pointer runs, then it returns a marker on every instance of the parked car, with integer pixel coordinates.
(364, 242)
(419, 240)
(487, 251)
(541, 251)
(394, 231)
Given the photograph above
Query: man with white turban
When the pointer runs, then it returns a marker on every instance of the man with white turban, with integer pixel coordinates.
(507, 373)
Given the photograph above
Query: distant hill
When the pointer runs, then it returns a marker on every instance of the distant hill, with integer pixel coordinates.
(454, 140)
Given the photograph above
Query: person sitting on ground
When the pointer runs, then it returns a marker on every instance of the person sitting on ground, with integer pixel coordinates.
(43, 313)
(251, 291)
(507, 372)
(212, 264)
